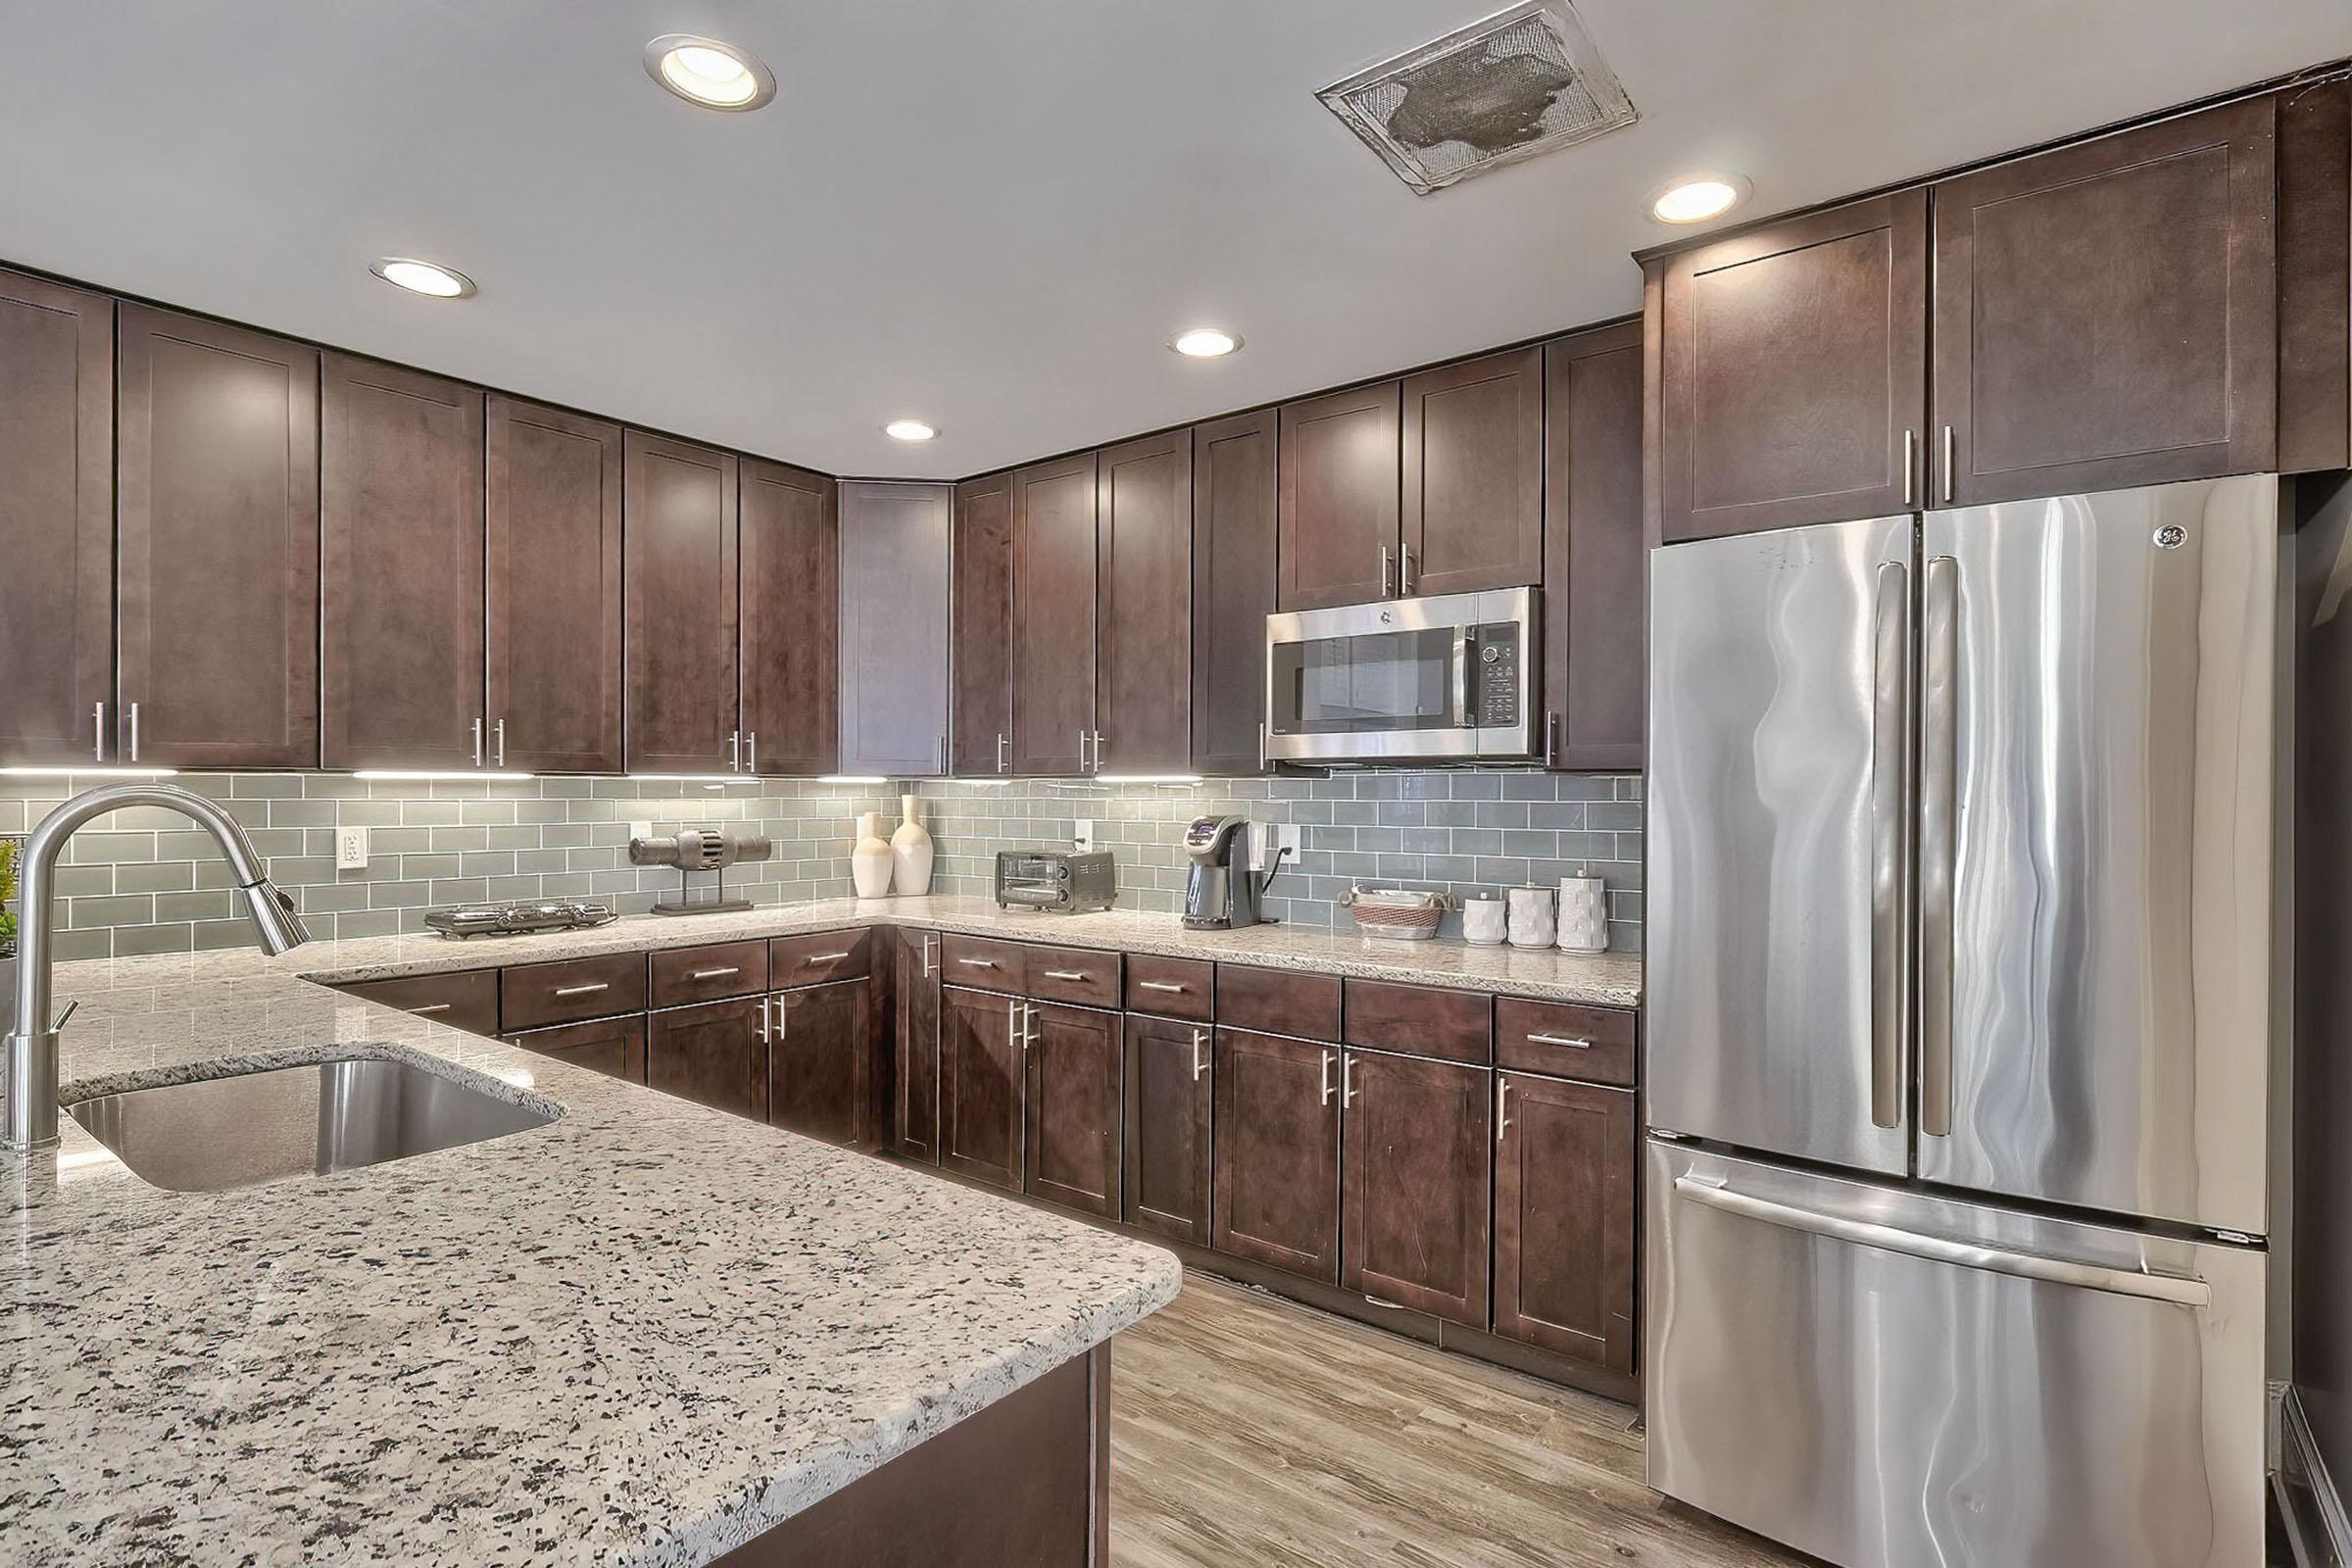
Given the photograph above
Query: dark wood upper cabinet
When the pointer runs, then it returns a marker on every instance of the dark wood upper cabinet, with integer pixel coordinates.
(1593, 558)
(1053, 576)
(217, 586)
(981, 617)
(896, 543)
(552, 579)
(1341, 480)
(2315, 277)
(1169, 1083)
(2106, 313)
(1792, 371)
(679, 528)
(1277, 1189)
(1564, 1218)
(790, 555)
(1472, 503)
(1414, 1221)
(981, 1075)
(1235, 503)
(915, 959)
(400, 458)
(1072, 1107)
(821, 1047)
(57, 521)
(713, 1054)
(1142, 606)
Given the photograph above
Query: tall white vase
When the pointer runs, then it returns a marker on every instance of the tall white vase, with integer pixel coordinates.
(870, 858)
(910, 853)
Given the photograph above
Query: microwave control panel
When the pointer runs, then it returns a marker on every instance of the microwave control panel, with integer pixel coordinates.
(1497, 676)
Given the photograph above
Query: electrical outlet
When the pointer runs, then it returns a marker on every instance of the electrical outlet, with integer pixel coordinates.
(1286, 839)
(1272, 843)
(351, 849)
(1084, 838)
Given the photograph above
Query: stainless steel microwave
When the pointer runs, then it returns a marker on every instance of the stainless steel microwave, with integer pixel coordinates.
(1445, 678)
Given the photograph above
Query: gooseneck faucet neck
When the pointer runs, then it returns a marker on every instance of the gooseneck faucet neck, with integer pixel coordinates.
(32, 1038)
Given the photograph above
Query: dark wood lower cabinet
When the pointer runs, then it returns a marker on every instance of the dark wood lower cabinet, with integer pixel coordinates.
(715, 1054)
(1071, 1106)
(1277, 1187)
(1169, 1083)
(614, 1046)
(1414, 1217)
(1564, 1218)
(914, 1044)
(819, 1050)
(980, 1073)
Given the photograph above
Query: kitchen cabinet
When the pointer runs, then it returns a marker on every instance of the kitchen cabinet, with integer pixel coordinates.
(1142, 606)
(680, 516)
(980, 659)
(1471, 514)
(218, 571)
(1564, 1218)
(1420, 1020)
(1281, 1001)
(1053, 574)
(914, 1044)
(894, 573)
(1169, 1086)
(1276, 1193)
(1233, 577)
(466, 999)
(1793, 371)
(981, 1072)
(614, 1046)
(820, 1043)
(531, 996)
(550, 485)
(790, 555)
(2315, 277)
(401, 553)
(2105, 313)
(1594, 583)
(1071, 1106)
(713, 1054)
(1414, 1218)
(677, 976)
(57, 521)
(1337, 498)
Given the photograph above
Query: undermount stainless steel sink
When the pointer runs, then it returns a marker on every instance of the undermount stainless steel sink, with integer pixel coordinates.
(212, 1134)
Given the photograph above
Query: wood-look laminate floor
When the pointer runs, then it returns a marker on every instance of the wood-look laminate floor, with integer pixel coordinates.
(1247, 1432)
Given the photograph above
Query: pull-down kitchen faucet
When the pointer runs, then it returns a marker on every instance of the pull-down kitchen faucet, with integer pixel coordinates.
(32, 1039)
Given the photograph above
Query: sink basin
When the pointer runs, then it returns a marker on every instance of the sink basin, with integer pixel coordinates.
(217, 1133)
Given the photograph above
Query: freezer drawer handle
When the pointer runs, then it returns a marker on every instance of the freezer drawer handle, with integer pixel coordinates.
(2168, 1288)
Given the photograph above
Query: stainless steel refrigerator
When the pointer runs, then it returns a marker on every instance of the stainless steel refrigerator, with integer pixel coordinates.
(1961, 982)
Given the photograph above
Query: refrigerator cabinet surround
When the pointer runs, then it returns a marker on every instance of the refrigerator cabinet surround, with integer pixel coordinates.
(1880, 1376)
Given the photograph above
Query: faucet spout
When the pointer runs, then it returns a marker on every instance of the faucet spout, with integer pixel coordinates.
(32, 1036)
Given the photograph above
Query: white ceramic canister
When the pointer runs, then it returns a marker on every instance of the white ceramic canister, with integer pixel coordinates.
(1583, 915)
(870, 858)
(1483, 921)
(1531, 919)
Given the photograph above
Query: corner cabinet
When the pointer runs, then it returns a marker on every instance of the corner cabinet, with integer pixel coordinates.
(1594, 578)
(791, 557)
(680, 524)
(1234, 576)
(980, 628)
(1142, 606)
(1053, 567)
(894, 572)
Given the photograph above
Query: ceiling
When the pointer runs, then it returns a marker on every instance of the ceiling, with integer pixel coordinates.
(989, 214)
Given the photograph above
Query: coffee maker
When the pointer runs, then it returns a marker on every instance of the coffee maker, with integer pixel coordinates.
(1222, 893)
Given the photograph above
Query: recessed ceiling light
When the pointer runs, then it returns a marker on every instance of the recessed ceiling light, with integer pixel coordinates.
(910, 430)
(1695, 198)
(706, 71)
(1205, 342)
(422, 278)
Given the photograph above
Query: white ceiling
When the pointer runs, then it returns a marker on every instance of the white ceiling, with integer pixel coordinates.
(989, 214)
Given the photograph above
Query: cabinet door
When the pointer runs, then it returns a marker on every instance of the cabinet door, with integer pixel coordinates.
(817, 1059)
(1142, 606)
(1564, 1218)
(217, 586)
(895, 571)
(1340, 473)
(790, 555)
(1277, 1188)
(2105, 313)
(1792, 371)
(1054, 616)
(614, 1046)
(1593, 579)
(1472, 506)
(714, 1054)
(980, 1084)
(981, 620)
(400, 459)
(551, 576)
(57, 521)
(1073, 1107)
(1414, 1220)
(678, 526)
(1234, 509)
(915, 1033)
(1170, 1088)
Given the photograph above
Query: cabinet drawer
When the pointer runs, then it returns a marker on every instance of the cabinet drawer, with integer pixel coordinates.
(468, 1000)
(1593, 1044)
(1278, 1001)
(1087, 976)
(533, 995)
(983, 964)
(679, 975)
(1173, 988)
(1421, 1020)
(614, 1046)
(815, 959)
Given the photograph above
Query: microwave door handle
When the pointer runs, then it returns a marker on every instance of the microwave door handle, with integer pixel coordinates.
(1465, 651)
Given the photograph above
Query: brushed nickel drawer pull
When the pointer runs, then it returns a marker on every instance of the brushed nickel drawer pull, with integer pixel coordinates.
(1559, 1039)
(1065, 974)
(1381, 1301)
(714, 974)
(429, 1008)
(1163, 985)
(584, 991)
(978, 963)
(825, 958)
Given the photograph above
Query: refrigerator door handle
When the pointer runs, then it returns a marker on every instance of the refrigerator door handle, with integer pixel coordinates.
(2171, 1289)
(1889, 816)
(1939, 762)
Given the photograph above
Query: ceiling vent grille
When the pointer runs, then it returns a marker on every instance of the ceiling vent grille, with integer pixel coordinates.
(1523, 82)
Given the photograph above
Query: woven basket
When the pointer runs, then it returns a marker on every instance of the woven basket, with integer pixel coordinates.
(1396, 912)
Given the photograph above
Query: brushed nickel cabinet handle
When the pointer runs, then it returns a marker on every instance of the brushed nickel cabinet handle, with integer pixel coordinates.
(1348, 1079)
(97, 732)
(1947, 462)
(1388, 578)
(1910, 467)
(978, 963)
(588, 990)
(751, 751)
(1199, 1054)
(1404, 578)
(1065, 974)
(477, 743)
(1003, 763)
(825, 958)
(1327, 1087)
(1502, 1107)
(1552, 737)
(735, 750)
(1163, 985)
(714, 974)
(501, 743)
(134, 733)
(428, 1009)
(1570, 1042)
(930, 956)
(1381, 1301)
(765, 1037)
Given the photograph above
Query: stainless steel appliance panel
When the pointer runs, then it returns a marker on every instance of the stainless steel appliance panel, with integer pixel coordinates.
(2095, 864)
(1446, 677)
(1890, 1380)
(1780, 928)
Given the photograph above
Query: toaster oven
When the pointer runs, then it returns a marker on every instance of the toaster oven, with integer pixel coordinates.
(1055, 879)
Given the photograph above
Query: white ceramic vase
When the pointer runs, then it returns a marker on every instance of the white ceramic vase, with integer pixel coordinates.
(870, 858)
(910, 853)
